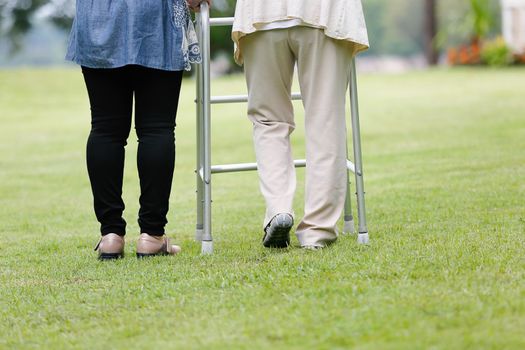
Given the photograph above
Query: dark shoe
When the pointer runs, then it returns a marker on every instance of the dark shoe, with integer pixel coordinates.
(149, 245)
(277, 233)
(110, 246)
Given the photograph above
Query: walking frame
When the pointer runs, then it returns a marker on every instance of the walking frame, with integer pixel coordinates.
(205, 170)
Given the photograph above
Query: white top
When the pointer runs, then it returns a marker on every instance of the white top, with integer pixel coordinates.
(286, 23)
(340, 19)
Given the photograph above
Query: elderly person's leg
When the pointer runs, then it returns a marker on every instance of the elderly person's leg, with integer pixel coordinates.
(323, 69)
(269, 66)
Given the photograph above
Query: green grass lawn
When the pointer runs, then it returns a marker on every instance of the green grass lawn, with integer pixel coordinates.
(444, 162)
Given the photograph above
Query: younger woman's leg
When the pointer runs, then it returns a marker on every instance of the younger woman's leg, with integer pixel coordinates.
(156, 102)
(110, 95)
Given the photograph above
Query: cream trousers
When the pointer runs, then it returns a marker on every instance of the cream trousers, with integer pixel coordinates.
(323, 66)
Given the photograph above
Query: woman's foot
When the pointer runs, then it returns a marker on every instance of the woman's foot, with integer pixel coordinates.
(110, 246)
(149, 245)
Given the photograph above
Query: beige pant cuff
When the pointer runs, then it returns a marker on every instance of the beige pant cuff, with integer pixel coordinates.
(316, 238)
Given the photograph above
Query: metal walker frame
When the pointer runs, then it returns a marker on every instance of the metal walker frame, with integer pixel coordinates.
(204, 168)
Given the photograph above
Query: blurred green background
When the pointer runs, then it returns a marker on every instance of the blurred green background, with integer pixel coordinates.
(34, 32)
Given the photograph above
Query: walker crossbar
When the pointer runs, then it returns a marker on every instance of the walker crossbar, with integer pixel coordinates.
(204, 167)
(231, 168)
(241, 98)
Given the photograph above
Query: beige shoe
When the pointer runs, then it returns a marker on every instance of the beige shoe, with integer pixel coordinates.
(149, 245)
(110, 246)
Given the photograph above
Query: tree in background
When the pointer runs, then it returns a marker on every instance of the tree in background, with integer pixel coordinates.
(430, 26)
(464, 32)
(394, 27)
(481, 17)
(17, 16)
(220, 37)
(460, 21)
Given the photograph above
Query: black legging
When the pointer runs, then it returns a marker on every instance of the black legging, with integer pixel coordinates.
(156, 99)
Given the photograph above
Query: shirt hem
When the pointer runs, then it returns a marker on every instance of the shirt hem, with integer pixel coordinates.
(237, 35)
(109, 65)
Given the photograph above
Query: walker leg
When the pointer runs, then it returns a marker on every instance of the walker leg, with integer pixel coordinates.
(362, 237)
(348, 223)
(199, 229)
(207, 241)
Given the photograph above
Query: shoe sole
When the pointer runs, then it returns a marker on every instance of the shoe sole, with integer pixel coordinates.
(145, 255)
(110, 256)
(278, 234)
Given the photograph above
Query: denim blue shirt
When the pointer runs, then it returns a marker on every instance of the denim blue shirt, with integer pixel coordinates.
(115, 33)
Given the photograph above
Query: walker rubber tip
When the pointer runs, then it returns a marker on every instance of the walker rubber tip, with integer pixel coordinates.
(207, 247)
(348, 227)
(198, 234)
(362, 238)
